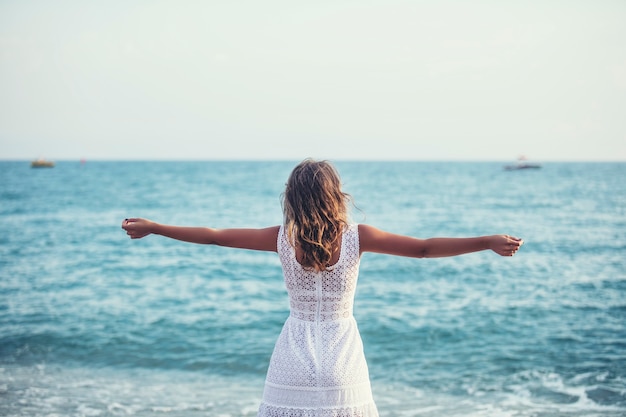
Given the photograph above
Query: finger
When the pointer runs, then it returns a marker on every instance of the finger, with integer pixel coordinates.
(128, 222)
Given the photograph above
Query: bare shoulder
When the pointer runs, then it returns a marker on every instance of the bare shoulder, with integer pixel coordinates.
(267, 238)
(264, 239)
(366, 232)
(373, 239)
(370, 237)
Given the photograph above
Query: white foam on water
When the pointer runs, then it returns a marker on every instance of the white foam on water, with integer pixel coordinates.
(114, 392)
(78, 392)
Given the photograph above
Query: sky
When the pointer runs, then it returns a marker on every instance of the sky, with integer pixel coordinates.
(273, 79)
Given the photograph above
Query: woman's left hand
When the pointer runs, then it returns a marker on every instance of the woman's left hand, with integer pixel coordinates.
(137, 228)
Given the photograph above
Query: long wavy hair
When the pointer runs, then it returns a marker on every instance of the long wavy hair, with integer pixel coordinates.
(315, 211)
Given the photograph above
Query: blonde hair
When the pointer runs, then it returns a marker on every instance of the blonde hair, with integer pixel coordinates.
(315, 211)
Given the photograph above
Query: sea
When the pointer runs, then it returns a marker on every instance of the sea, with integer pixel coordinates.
(93, 323)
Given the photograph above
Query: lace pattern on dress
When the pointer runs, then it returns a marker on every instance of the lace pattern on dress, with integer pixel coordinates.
(365, 411)
(318, 367)
(337, 283)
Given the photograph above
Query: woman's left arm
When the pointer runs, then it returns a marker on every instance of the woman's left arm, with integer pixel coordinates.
(254, 239)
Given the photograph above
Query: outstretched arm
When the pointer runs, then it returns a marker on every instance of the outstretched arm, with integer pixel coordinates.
(255, 239)
(376, 240)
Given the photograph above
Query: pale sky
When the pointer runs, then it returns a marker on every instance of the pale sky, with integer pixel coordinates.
(378, 79)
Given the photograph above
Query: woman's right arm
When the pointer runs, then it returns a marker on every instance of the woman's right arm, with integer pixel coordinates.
(379, 241)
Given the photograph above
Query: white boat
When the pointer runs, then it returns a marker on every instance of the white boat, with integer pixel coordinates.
(522, 163)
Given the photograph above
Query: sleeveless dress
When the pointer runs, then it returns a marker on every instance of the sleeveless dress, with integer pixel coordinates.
(318, 368)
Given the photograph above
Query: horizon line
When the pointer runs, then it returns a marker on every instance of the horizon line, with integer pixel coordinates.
(440, 160)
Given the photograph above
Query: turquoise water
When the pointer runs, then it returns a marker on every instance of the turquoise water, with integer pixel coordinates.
(94, 324)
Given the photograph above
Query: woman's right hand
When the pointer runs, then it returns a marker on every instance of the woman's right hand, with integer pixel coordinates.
(505, 245)
(137, 228)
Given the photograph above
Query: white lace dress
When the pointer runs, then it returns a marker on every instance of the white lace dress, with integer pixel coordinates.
(318, 368)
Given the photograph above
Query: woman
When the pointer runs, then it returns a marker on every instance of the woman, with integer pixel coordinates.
(318, 367)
